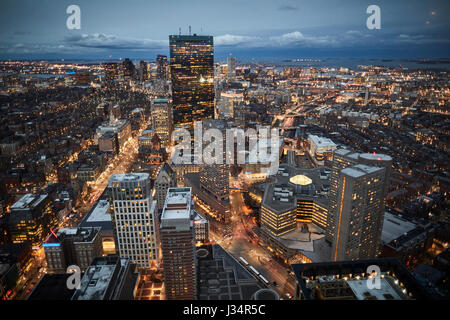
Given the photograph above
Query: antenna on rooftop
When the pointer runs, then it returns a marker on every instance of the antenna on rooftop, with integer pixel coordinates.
(179, 31)
(189, 30)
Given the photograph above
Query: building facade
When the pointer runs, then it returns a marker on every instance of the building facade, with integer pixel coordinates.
(192, 75)
(135, 218)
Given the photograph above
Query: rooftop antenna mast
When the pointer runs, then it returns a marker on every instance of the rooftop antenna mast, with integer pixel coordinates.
(189, 30)
(179, 31)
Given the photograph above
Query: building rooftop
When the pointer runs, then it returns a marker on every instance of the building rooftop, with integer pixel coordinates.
(126, 177)
(28, 201)
(394, 226)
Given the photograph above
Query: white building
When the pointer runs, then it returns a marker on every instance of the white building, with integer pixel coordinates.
(320, 149)
(135, 218)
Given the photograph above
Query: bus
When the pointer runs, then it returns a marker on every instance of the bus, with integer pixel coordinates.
(254, 270)
(264, 279)
(243, 261)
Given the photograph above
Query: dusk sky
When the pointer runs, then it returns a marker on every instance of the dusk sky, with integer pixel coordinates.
(246, 28)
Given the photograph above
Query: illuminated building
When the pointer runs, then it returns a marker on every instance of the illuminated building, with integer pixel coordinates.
(135, 218)
(127, 70)
(348, 280)
(162, 67)
(144, 71)
(31, 219)
(214, 178)
(74, 246)
(108, 142)
(82, 78)
(320, 149)
(99, 216)
(360, 212)
(192, 75)
(178, 245)
(111, 70)
(161, 111)
(343, 158)
(278, 210)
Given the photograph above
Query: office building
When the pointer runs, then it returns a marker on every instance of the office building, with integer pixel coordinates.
(231, 62)
(111, 70)
(178, 245)
(360, 212)
(162, 67)
(192, 75)
(161, 111)
(31, 219)
(343, 158)
(127, 70)
(99, 216)
(72, 246)
(135, 218)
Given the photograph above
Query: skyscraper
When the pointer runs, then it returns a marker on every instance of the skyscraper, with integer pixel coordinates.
(111, 71)
(135, 218)
(231, 62)
(342, 159)
(161, 111)
(161, 67)
(178, 245)
(360, 213)
(192, 75)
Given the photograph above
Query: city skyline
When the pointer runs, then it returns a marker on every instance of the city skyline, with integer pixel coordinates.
(249, 29)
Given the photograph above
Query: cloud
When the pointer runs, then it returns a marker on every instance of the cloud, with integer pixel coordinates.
(297, 38)
(287, 8)
(420, 39)
(231, 40)
(104, 41)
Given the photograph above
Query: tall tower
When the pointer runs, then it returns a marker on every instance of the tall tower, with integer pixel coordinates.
(340, 210)
(192, 75)
(231, 62)
(360, 213)
(178, 245)
(135, 218)
(161, 67)
(161, 111)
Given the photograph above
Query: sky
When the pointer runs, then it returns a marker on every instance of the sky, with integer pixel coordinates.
(139, 29)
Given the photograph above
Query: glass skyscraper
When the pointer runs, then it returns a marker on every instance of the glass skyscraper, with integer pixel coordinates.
(192, 75)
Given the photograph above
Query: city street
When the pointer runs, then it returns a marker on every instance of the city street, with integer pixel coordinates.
(241, 241)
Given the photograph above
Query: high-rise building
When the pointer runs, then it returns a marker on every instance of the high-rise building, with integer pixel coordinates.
(192, 75)
(72, 246)
(360, 213)
(162, 67)
(31, 219)
(161, 111)
(342, 159)
(111, 71)
(178, 245)
(214, 178)
(165, 179)
(128, 69)
(231, 62)
(135, 218)
(144, 75)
